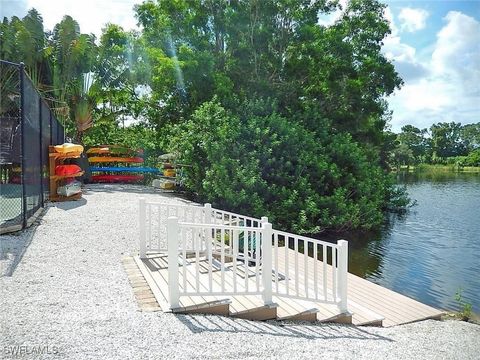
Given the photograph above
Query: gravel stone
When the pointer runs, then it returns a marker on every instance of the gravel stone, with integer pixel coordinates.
(64, 292)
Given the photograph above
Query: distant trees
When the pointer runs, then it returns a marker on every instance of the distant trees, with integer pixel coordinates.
(443, 143)
(470, 135)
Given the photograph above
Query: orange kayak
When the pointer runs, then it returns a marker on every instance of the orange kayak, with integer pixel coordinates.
(114, 159)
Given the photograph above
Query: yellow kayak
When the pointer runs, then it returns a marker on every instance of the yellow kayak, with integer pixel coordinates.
(111, 159)
(113, 150)
(68, 148)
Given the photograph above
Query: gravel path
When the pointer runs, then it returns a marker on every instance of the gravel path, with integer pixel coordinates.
(69, 296)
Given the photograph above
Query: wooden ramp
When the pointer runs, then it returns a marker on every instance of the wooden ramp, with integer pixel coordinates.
(368, 303)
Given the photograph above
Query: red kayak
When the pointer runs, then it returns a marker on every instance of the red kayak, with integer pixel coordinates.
(116, 178)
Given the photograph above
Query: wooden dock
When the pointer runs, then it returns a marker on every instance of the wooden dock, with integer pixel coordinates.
(368, 303)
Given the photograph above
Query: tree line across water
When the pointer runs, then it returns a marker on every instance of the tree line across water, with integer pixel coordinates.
(277, 114)
(444, 144)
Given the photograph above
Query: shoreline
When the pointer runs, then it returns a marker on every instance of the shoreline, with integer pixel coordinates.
(432, 168)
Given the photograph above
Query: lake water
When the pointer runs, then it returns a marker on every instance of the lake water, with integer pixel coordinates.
(434, 249)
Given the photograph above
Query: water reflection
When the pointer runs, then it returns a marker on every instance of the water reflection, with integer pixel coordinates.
(432, 250)
(366, 248)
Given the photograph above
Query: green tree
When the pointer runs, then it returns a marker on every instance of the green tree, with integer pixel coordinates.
(342, 69)
(446, 140)
(73, 56)
(414, 139)
(25, 41)
(402, 155)
(118, 71)
(329, 86)
(470, 135)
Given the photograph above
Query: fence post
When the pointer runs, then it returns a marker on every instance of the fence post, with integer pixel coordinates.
(207, 208)
(342, 273)
(51, 131)
(266, 260)
(143, 230)
(208, 213)
(23, 147)
(40, 122)
(172, 240)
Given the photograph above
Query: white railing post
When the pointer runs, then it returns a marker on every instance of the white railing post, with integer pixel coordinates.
(208, 220)
(173, 278)
(208, 212)
(342, 274)
(143, 230)
(267, 260)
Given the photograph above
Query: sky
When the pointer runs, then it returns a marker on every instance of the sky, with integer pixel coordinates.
(435, 46)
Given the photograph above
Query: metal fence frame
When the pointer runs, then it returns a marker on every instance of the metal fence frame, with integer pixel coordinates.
(39, 129)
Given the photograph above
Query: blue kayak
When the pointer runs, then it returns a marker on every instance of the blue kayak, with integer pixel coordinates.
(124, 169)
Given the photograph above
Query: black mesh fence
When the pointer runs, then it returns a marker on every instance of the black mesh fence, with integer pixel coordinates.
(27, 128)
(45, 116)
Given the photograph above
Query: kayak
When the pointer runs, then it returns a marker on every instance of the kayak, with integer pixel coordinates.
(65, 170)
(68, 147)
(113, 150)
(113, 159)
(124, 169)
(116, 178)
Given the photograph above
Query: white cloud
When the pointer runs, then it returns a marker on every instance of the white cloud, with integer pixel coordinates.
(394, 49)
(457, 51)
(387, 13)
(450, 90)
(401, 54)
(412, 19)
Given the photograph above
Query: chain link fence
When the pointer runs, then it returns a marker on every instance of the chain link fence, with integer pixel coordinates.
(27, 128)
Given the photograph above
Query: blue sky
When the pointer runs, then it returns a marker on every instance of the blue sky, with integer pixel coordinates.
(435, 46)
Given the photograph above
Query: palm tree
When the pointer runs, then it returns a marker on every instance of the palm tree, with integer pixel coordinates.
(74, 55)
(83, 103)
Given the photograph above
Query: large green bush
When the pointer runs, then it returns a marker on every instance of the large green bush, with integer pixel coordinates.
(262, 164)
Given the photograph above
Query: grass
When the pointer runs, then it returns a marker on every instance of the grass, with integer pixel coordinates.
(465, 312)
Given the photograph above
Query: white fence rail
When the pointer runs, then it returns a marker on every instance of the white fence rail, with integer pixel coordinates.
(303, 276)
(215, 252)
(153, 223)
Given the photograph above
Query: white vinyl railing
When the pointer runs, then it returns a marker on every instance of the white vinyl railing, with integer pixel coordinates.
(215, 273)
(215, 252)
(153, 217)
(304, 277)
